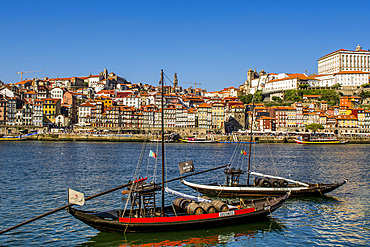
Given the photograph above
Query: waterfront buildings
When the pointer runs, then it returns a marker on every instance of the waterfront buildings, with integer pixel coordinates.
(109, 101)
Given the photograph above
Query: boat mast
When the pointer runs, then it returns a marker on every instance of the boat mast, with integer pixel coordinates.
(251, 133)
(162, 119)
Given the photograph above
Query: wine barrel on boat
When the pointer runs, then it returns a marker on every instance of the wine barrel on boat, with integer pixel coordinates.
(283, 183)
(274, 183)
(208, 207)
(194, 208)
(181, 203)
(265, 182)
(220, 206)
(257, 181)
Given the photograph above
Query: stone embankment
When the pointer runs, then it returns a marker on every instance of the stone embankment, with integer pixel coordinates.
(142, 138)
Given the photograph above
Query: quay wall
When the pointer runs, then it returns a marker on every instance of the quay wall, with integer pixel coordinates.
(142, 138)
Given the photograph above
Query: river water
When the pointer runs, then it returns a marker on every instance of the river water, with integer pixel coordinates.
(35, 177)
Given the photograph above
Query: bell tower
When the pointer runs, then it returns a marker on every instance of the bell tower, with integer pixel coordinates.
(175, 81)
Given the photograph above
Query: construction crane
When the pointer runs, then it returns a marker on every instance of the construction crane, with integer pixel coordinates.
(195, 85)
(23, 72)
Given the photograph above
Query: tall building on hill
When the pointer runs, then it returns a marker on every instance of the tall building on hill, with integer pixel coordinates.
(175, 81)
(344, 60)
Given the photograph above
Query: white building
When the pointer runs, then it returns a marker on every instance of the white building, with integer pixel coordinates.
(84, 111)
(344, 78)
(38, 114)
(344, 60)
(257, 81)
(289, 82)
(351, 78)
(131, 100)
(57, 93)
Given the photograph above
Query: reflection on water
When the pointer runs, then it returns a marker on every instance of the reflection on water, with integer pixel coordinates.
(211, 237)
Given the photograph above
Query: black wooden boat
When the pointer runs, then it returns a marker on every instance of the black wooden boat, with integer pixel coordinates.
(244, 190)
(144, 216)
(135, 221)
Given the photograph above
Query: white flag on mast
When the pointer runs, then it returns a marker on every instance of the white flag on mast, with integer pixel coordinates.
(75, 197)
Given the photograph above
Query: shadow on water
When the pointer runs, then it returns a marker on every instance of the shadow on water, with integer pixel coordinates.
(213, 236)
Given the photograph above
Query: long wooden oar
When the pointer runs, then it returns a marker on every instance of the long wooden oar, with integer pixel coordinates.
(63, 207)
(93, 196)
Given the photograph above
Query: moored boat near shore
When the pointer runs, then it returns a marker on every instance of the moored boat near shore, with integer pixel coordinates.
(307, 139)
(197, 140)
(183, 215)
(297, 189)
(13, 138)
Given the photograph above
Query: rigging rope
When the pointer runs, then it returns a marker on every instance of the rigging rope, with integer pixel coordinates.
(135, 175)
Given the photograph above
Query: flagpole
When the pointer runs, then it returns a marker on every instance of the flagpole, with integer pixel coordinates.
(162, 143)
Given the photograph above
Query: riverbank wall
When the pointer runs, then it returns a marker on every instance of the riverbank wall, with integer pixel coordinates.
(142, 138)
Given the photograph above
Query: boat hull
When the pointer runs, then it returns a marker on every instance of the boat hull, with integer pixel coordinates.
(12, 139)
(251, 191)
(321, 142)
(197, 141)
(259, 210)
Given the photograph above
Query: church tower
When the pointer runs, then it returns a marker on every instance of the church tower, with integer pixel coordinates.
(175, 81)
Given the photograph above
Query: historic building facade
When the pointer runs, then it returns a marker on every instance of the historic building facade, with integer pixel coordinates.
(344, 60)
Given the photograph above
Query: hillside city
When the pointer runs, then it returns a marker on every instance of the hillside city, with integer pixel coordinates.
(336, 97)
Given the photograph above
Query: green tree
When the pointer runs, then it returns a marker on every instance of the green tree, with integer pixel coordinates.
(246, 99)
(364, 94)
(314, 127)
(336, 86)
(277, 99)
(258, 96)
(303, 86)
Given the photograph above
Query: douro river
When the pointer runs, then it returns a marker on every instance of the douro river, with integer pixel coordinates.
(35, 177)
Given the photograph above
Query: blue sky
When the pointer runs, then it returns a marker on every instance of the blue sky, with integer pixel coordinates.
(211, 42)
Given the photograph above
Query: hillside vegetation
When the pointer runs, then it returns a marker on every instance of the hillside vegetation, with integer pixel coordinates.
(331, 96)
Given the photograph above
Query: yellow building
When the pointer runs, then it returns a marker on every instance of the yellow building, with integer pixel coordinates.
(344, 110)
(107, 101)
(51, 108)
(218, 115)
(361, 118)
(347, 121)
(291, 116)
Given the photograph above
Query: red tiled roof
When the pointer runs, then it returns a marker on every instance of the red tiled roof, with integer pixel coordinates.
(346, 117)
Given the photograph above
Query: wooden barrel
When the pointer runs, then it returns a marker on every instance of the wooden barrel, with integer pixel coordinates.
(220, 206)
(274, 183)
(184, 204)
(283, 183)
(257, 181)
(177, 202)
(180, 203)
(208, 207)
(265, 182)
(194, 208)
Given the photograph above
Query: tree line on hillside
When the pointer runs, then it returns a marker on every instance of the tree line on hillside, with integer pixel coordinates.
(331, 96)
